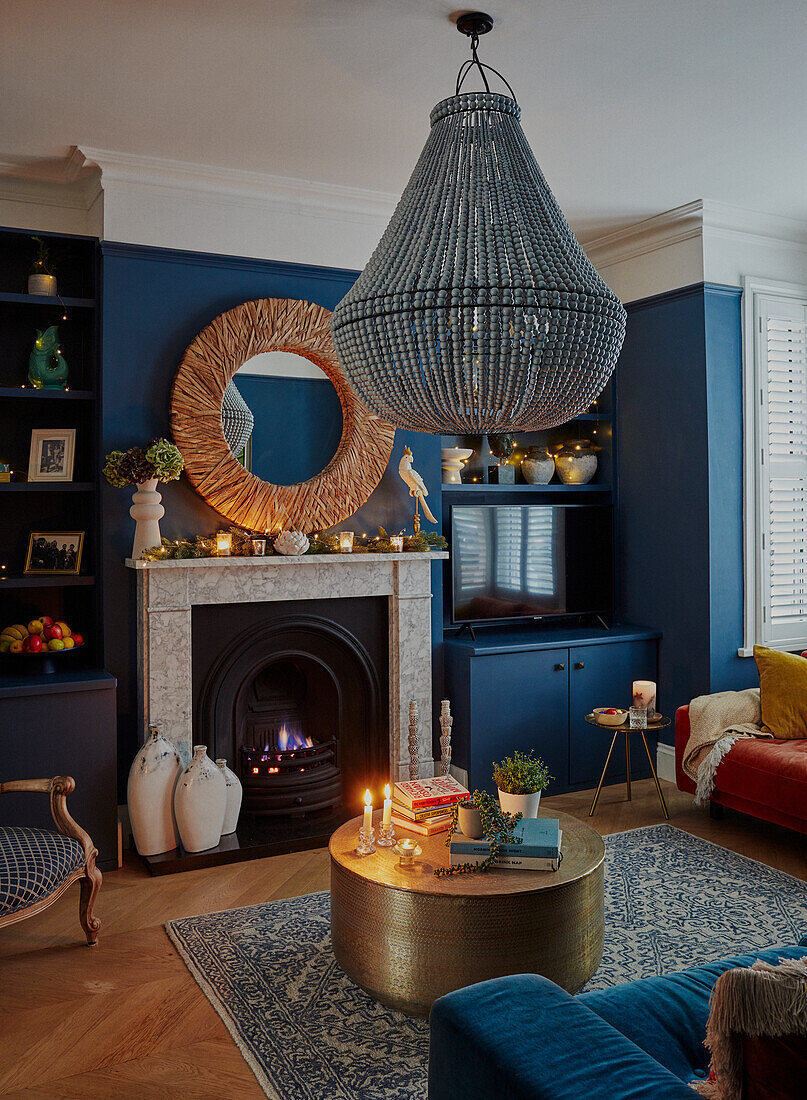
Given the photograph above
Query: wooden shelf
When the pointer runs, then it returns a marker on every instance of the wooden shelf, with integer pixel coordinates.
(47, 395)
(47, 300)
(486, 487)
(57, 581)
(47, 487)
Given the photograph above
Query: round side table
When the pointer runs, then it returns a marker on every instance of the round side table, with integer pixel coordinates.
(627, 729)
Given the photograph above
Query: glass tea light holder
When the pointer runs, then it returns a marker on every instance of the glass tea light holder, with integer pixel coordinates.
(346, 542)
(258, 543)
(407, 851)
(386, 833)
(396, 542)
(224, 544)
(366, 843)
(637, 718)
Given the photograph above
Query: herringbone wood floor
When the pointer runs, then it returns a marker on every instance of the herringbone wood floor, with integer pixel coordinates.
(126, 1019)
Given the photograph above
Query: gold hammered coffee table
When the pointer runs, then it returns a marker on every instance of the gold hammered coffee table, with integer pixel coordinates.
(407, 937)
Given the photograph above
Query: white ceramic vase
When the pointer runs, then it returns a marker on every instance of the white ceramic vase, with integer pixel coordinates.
(149, 794)
(524, 804)
(200, 801)
(147, 511)
(235, 793)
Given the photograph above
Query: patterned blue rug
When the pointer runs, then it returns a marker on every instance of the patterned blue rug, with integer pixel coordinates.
(671, 901)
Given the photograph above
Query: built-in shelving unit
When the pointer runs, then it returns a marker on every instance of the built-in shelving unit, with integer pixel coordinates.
(50, 506)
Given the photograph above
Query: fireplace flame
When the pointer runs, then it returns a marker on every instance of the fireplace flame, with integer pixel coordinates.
(292, 739)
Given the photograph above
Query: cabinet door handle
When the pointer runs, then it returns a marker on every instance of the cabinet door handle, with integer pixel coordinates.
(579, 664)
(560, 668)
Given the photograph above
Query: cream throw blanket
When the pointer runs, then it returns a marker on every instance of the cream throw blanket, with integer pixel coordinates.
(716, 722)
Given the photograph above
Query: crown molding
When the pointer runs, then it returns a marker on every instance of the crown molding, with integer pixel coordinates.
(63, 182)
(240, 187)
(703, 219)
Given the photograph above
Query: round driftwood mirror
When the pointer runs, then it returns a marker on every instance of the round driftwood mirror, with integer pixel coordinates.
(207, 367)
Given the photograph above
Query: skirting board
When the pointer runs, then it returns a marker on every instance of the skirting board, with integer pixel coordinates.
(665, 762)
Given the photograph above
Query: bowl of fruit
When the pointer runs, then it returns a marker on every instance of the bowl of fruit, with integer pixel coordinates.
(38, 647)
(610, 716)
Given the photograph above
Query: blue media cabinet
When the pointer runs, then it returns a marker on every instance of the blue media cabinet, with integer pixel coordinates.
(531, 689)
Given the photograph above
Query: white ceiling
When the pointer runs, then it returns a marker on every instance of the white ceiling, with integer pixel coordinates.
(631, 106)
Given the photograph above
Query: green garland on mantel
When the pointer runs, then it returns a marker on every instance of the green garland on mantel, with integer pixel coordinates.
(204, 546)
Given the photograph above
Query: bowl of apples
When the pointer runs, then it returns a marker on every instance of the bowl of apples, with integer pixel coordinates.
(610, 716)
(40, 646)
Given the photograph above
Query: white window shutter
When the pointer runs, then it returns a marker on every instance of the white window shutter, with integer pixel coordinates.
(781, 506)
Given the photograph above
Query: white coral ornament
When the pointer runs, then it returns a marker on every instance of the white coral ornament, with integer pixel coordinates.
(291, 542)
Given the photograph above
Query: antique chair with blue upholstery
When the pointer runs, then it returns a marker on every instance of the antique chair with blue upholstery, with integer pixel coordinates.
(37, 866)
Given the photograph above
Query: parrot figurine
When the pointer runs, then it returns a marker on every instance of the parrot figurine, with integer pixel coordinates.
(417, 488)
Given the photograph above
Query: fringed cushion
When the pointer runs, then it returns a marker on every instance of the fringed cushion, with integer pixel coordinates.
(33, 863)
(757, 1032)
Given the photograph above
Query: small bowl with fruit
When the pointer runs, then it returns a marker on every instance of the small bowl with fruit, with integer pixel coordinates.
(610, 716)
(39, 646)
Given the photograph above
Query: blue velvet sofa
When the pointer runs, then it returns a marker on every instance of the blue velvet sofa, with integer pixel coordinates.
(524, 1038)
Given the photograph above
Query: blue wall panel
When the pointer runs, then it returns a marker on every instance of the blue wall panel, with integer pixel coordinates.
(663, 487)
(724, 401)
(154, 302)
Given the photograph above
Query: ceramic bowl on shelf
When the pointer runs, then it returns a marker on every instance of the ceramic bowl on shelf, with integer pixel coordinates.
(610, 716)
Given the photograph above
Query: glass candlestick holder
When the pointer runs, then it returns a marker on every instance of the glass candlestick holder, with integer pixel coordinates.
(386, 835)
(366, 843)
(407, 851)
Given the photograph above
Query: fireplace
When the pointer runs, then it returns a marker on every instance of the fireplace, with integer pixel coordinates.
(296, 701)
(333, 647)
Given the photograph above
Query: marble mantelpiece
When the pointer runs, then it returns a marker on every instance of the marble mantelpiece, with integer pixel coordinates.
(167, 591)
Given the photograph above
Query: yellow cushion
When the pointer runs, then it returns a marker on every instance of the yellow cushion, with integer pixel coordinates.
(783, 692)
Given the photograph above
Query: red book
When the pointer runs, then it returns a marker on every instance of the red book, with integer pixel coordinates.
(442, 790)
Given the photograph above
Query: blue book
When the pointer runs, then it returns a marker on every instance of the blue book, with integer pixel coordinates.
(540, 837)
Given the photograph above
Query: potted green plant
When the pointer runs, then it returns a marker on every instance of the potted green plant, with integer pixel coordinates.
(520, 779)
(495, 825)
(41, 279)
(159, 460)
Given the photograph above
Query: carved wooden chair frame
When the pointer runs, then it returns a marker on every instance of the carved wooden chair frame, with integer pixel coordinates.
(59, 787)
(208, 365)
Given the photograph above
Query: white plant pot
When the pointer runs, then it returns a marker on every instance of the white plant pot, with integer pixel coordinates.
(200, 802)
(524, 804)
(146, 511)
(42, 284)
(149, 794)
(235, 793)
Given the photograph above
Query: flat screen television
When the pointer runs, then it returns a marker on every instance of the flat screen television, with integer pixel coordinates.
(530, 561)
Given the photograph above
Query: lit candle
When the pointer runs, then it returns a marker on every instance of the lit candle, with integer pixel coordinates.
(367, 824)
(224, 541)
(396, 542)
(346, 542)
(387, 806)
(644, 694)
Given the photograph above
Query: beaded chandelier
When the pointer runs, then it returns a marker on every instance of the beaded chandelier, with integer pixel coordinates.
(478, 310)
(237, 420)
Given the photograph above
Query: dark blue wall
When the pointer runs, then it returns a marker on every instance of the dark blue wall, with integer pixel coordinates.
(680, 486)
(298, 425)
(154, 302)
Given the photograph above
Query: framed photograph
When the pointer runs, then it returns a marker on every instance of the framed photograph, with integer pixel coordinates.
(52, 454)
(54, 553)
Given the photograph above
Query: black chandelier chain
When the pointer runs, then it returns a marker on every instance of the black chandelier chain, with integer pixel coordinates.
(474, 62)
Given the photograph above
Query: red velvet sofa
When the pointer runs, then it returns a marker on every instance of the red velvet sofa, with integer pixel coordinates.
(766, 779)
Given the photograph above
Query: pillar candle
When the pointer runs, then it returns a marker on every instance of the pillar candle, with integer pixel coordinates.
(367, 824)
(387, 806)
(644, 694)
(224, 541)
(346, 542)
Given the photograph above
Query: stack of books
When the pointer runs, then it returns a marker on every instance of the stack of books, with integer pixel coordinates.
(539, 849)
(424, 805)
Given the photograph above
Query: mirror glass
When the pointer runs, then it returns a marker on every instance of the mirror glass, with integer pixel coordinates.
(296, 418)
